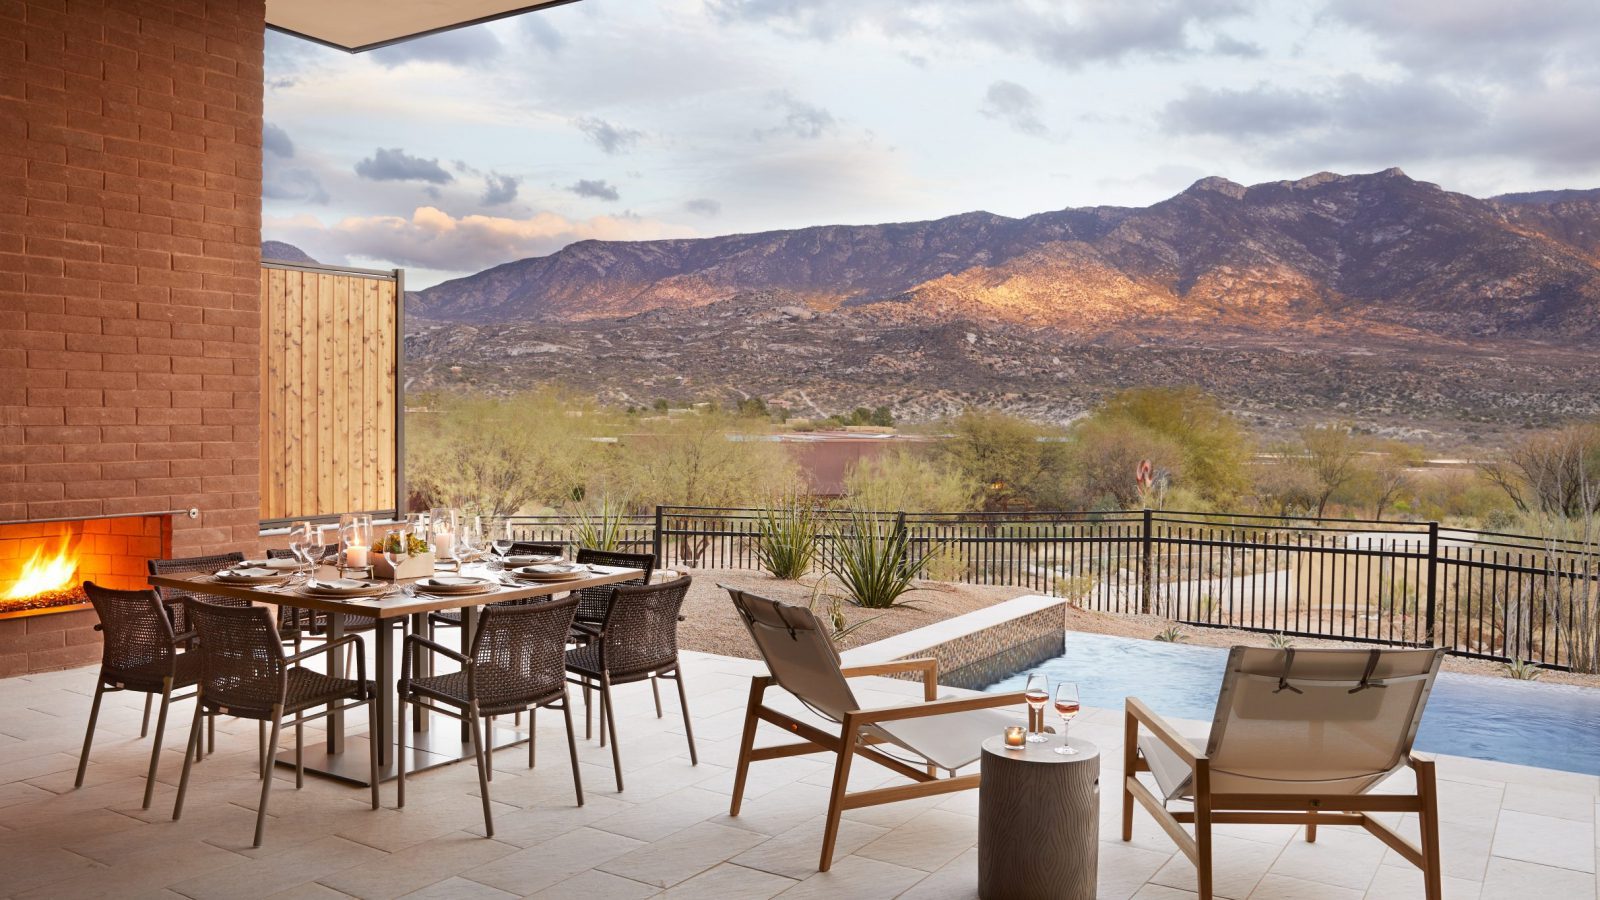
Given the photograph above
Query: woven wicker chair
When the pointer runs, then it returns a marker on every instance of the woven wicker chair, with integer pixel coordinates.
(515, 663)
(140, 653)
(291, 624)
(637, 641)
(451, 618)
(244, 673)
(592, 605)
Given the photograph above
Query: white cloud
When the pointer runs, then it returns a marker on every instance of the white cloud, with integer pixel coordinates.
(433, 239)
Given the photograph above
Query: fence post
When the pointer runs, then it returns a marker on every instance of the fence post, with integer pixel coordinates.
(1433, 581)
(655, 539)
(1147, 572)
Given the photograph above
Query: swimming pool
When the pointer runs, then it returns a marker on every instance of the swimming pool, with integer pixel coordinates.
(1553, 726)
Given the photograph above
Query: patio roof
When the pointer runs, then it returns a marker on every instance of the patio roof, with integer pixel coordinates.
(358, 25)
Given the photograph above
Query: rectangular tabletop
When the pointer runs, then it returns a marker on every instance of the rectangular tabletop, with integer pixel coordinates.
(398, 605)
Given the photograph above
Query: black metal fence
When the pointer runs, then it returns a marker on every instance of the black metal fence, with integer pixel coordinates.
(1476, 593)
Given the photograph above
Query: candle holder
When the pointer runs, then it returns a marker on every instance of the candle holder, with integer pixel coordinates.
(1016, 737)
(367, 572)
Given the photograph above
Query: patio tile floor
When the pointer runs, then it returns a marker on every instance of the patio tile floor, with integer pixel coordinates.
(1509, 831)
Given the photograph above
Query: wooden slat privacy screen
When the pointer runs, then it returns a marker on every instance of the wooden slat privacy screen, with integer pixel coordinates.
(331, 435)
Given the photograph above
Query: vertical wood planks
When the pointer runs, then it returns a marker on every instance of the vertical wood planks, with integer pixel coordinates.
(328, 413)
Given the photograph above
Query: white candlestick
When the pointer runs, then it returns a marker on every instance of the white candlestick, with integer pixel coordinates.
(355, 557)
(445, 544)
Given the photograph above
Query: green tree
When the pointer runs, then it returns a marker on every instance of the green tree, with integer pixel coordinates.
(705, 459)
(907, 480)
(1014, 462)
(498, 456)
(1330, 454)
(1213, 448)
(1106, 455)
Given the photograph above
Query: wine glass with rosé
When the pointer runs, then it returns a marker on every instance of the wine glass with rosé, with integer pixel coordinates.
(1067, 707)
(1037, 694)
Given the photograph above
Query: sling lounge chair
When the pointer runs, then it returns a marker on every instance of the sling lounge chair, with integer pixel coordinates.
(1299, 738)
(937, 733)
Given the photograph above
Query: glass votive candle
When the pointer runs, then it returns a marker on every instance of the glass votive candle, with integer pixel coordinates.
(1016, 737)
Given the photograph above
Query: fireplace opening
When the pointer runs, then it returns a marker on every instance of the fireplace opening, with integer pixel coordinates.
(44, 564)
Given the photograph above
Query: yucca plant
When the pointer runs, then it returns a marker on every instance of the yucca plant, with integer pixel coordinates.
(839, 627)
(599, 526)
(786, 543)
(872, 559)
(1280, 641)
(1173, 635)
(1522, 670)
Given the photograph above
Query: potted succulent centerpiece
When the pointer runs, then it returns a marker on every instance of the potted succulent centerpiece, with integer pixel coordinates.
(398, 555)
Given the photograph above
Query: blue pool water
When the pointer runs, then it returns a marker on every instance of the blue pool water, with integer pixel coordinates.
(1548, 725)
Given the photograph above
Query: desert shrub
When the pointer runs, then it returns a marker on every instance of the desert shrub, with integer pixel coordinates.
(786, 542)
(1106, 456)
(872, 559)
(600, 525)
(910, 481)
(702, 459)
(1212, 449)
(1013, 462)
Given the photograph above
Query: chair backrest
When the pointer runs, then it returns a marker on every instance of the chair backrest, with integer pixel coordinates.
(138, 633)
(798, 651)
(535, 548)
(242, 664)
(1322, 720)
(592, 602)
(174, 598)
(519, 653)
(641, 626)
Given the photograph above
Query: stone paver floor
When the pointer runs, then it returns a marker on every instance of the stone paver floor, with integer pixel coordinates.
(1508, 831)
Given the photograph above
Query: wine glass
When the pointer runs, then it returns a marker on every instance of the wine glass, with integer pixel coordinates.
(1067, 708)
(1037, 693)
(469, 537)
(300, 537)
(316, 544)
(396, 549)
(503, 536)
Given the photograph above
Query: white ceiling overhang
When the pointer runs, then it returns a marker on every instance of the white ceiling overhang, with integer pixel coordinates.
(358, 25)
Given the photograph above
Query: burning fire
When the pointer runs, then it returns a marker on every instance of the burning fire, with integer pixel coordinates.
(43, 574)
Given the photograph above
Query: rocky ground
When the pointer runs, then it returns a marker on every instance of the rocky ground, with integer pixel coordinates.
(1446, 394)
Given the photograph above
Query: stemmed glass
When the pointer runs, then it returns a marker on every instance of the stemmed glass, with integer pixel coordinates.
(398, 551)
(1067, 708)
(1037, 693)
(503, 536)
(469, 537)
(303, 537)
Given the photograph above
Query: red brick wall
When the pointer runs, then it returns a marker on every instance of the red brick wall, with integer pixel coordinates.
(130, 229)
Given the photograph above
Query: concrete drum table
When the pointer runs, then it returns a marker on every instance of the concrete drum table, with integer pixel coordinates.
(1038, 822)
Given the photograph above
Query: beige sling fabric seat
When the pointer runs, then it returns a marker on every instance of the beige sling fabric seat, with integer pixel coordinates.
(1299, 737)
(938, 733)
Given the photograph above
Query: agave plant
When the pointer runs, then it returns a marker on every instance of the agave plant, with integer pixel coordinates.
(1280, 641)
(787, 540)
(839, 628)
(872, 559)
(1173, 635)
(1522, 670)
(600, 525)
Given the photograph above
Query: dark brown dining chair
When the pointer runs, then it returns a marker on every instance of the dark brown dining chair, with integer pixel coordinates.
(140, 653)
(306, 622)
(592, 605)
(244, 673)
(515, 664)
(290, 623)
(638, 641)
(451, 618)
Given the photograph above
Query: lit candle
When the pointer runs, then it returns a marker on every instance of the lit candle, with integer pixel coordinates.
(1015, 738)
(445, 543)
(355, 557)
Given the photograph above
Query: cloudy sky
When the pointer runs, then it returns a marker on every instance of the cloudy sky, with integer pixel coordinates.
(639, 119)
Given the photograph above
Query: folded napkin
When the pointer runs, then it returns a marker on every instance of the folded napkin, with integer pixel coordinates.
(249, 572)
(343, 584)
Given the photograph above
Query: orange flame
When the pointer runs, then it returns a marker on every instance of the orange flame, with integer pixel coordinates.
(44, 573)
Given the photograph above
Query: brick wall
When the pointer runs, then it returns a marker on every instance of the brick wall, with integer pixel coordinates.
(130, 207)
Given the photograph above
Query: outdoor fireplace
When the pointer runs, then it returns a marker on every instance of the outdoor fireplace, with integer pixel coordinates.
(45, 619)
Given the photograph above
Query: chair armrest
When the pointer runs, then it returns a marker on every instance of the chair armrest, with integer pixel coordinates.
(927, 665)
(437, 648)
(326, 646)
(1138, 712)
(936, 708)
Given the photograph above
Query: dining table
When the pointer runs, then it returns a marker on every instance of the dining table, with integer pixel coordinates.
(344, 756)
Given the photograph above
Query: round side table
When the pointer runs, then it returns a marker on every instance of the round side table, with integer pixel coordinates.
(1038, 822)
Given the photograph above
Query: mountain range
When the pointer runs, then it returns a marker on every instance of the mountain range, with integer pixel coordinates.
(1415, 311)
(1331, 251)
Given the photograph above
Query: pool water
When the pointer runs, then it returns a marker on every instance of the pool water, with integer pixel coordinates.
(1552, 726)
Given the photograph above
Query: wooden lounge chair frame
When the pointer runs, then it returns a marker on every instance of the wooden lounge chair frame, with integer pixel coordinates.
(851, 742)
(1310, 809)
